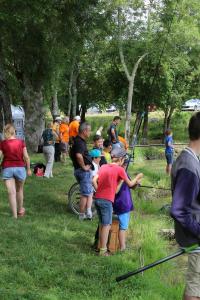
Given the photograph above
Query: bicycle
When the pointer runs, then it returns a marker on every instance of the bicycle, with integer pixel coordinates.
(74, 199)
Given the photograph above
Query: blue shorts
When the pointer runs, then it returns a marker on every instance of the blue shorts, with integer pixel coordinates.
(84, 178)
(104, 210)
(124, 221)
(169, 158)
(18, 173)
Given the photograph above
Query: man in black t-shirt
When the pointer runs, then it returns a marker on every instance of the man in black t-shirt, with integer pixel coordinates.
(82, 163)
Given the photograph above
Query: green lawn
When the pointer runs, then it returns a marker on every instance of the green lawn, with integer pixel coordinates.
(46, 255)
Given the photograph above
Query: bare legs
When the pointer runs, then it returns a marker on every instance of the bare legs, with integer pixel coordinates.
(168, 169)
(85, 205)
(122, 239)
(185, 297)
(104, 236)
(15, 195)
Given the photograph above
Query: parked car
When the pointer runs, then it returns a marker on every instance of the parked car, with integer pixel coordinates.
(192, 104)
(94, 110)
(112, 108)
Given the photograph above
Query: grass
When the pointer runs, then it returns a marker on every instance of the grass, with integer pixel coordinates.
(46, 255)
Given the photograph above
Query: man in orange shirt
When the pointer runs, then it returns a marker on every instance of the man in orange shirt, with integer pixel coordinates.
(74, 127)
(64, 138)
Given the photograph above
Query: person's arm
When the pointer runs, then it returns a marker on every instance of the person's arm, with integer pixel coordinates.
(185, 192)
(112, 131)
(1, 154)
(95, 181)
(134, 182)
(27, 160)
(81, 162)
(119, 186)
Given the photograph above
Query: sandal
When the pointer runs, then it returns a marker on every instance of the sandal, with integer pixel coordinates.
(21, 213)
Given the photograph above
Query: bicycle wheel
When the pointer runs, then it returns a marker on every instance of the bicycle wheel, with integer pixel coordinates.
(74, 199)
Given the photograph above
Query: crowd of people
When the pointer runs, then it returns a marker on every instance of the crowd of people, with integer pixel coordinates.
(101, 174)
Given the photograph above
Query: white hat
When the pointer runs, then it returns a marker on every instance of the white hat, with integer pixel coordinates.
(77, 118)
(58, 119)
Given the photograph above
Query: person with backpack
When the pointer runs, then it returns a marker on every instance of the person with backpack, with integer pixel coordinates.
(48, 137)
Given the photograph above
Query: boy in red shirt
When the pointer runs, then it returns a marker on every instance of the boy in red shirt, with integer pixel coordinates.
(105, 184)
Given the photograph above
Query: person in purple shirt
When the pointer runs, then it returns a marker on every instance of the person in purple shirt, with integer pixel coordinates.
(185, 208)
(122, 207)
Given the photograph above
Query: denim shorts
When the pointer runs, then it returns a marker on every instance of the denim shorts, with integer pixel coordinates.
(169, 158)
(84, 178)
(18, 173)
(124, 221)
(104, 210)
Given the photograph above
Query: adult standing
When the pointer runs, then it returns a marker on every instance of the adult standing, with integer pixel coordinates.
(48, 149)
(15, 158)
(113, 132)
(186, 205)
(82, 163)
(64, 138)
(74, 127)
(56, 130)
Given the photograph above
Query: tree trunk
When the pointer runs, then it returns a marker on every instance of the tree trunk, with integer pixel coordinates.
(145, 127)
(83, 112)
(54, 105)
(1, 118)
(129, 111)
(34, 115)
(4, 99)
(74, 92)
(70, 89)
(169, 118)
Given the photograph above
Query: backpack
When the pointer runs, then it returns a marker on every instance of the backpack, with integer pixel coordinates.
(39, 169)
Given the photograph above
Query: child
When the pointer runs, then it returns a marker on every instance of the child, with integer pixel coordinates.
(98, 144)
(107, 147)
(122, 207)
(96, 157)
(169, 150)
(105, 184)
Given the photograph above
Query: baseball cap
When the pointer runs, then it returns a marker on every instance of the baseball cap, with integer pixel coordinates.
(118, 153)
(58, 119)
(77, 118)
(95, 153)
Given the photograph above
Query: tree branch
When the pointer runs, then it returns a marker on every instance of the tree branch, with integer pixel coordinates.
(137, 65)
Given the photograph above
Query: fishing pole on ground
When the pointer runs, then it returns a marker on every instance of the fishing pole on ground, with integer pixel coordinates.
(158, 262)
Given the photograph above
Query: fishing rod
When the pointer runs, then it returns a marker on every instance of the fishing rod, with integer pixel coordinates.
(158, 262)
(153, 187)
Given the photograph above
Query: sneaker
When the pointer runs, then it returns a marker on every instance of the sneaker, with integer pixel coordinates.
(82, 217)
(89, 217)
